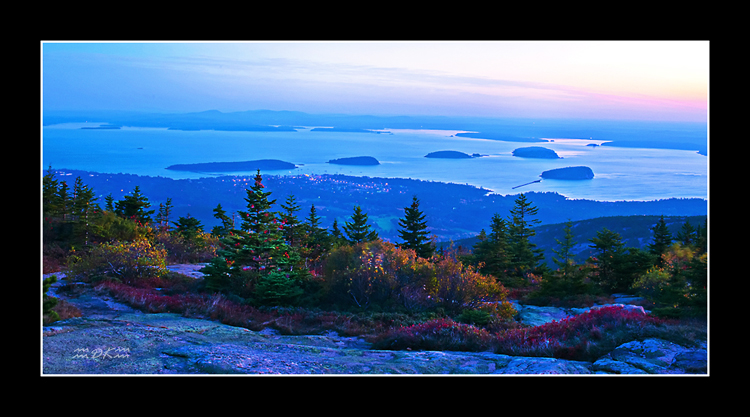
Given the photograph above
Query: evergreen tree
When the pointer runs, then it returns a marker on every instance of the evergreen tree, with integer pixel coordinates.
(337, 238)
(109, 203)
(492, 252)
(83, 198)
(524, 255)
(226, 222)
(134, 207)
(162, 217)
(63, 201)
(414, 231)
(317, 241)
(608, 249)
(565, 261)
(188, 227)
(293, 230)
(662, 240)
(50, 187)
(255, 261)
(688, 235)
(358, 230)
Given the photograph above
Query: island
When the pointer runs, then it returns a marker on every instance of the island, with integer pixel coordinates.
(449, 155)
(569, 173)
(355, 160)
(536, 152)
(101, 127)
(262, 164)
(346, 130)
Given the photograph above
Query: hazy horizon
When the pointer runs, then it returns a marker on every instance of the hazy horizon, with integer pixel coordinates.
(589, 80)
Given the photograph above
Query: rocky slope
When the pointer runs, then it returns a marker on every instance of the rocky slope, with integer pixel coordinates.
(112, 338)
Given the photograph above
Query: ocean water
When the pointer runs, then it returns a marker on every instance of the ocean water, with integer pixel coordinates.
(619, 173)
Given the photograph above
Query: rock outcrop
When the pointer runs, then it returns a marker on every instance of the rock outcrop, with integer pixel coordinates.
(112, 338)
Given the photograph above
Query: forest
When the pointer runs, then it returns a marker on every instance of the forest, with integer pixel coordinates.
(274, 265)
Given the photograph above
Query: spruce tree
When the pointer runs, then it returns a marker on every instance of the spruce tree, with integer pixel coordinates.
(524, 255)
(293, 230)
(492, 252)
(608, 254)
(358, 230)
(256, 258)
(162, 217)
(317, 241)
(226, 222)
(662, 239)
(49, 192)
(188, 227)
(413, 231)
(134, 207)
(337, 237)
(688, 235)
(109, 203)
(565, 261)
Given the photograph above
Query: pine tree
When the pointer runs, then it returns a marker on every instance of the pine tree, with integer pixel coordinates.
(414, 231)
(662, 240)
(358, 230)
(524, 255)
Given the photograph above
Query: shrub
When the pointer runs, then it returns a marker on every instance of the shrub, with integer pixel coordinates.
(128, 262)
(438, 334)
(583, 337)
(380, 275)
(48, 303)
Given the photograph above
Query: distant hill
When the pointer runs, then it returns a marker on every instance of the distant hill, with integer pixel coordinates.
(646, 134)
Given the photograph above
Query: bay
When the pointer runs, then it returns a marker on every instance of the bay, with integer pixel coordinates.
(621, 174)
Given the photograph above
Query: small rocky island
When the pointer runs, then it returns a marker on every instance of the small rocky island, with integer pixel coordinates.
(355, 160)
(451, 155)
(569, 173)
(262, 164)
(536, 152)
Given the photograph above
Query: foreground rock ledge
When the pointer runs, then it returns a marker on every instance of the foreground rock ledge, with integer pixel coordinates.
(137, 343)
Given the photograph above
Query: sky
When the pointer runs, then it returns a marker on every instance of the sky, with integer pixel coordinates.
(608, 80)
